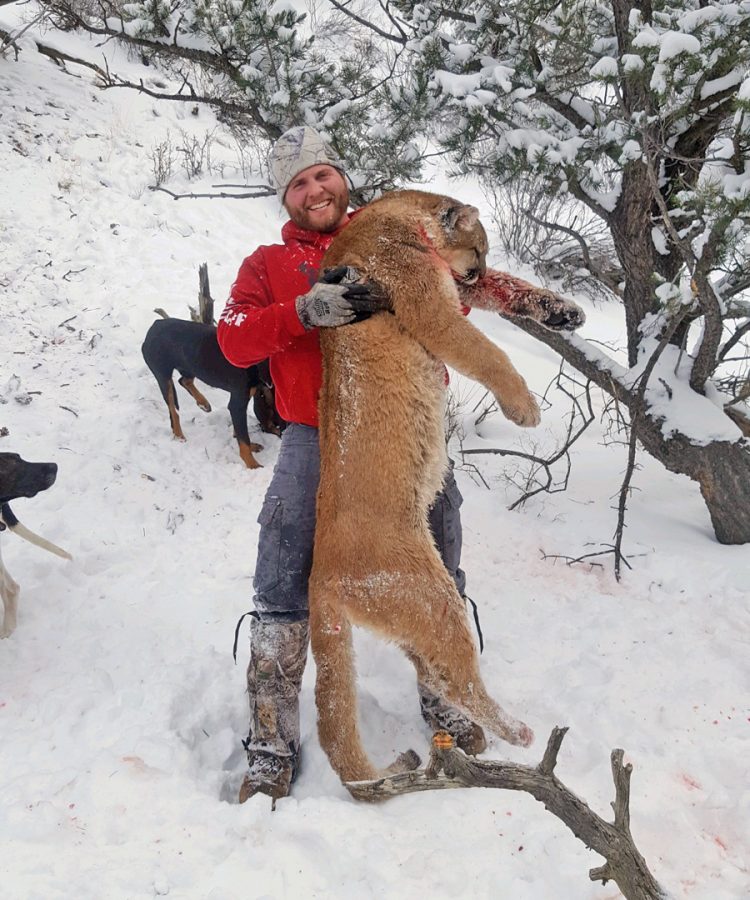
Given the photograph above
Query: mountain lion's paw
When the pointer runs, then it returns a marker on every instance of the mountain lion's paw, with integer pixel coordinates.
(523, 409)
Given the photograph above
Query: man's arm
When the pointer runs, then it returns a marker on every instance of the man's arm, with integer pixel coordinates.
(253, 327)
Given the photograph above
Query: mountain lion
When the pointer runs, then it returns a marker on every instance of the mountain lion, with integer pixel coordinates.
(383, 458)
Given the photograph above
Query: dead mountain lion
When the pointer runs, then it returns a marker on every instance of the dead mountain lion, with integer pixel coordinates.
(383, 458)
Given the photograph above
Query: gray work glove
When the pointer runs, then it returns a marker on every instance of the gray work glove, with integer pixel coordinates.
(335, 300)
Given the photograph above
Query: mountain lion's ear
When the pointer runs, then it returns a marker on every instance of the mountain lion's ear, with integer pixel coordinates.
(459, 218)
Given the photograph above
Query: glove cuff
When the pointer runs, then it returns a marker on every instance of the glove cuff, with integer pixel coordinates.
(302, 312)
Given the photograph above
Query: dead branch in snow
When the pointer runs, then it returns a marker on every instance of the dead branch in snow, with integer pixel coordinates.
(449, 767)
(637, 410)
(587, 558)
(205, 311)
(10, 39)
(581, 416)
(60, 58)
(265, 192)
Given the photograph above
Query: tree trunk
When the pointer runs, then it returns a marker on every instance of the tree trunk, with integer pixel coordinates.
(630, 224)
(721, 468)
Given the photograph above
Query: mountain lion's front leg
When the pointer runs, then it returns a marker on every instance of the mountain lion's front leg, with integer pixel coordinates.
(437, 323)
(510, 296)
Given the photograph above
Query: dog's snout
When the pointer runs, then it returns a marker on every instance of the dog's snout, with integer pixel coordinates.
(19, 478)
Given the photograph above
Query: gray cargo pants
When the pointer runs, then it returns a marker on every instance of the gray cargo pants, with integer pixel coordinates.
(287, 528)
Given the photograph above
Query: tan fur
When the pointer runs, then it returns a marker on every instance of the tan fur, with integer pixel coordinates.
(382, 462)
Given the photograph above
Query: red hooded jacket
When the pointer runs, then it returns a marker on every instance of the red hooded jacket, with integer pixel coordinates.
(260, 319)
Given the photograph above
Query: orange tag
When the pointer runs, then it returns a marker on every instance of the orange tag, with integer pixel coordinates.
(441, 740)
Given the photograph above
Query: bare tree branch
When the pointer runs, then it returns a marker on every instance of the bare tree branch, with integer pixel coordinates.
(268, 192)
(396, 38)
(637, 409)
(612, 283)
(577, 415)
(449, 767)
(731, 342)
(61, 58)
(734, 283)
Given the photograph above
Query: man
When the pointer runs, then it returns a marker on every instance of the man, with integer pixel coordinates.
(275, 309)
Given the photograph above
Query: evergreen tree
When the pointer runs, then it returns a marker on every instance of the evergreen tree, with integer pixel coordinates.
(640, 111)
(265, 68)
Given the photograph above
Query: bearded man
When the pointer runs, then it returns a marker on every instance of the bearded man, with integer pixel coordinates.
(275, 309)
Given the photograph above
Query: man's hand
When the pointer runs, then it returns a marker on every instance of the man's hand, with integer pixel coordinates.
(335, 300)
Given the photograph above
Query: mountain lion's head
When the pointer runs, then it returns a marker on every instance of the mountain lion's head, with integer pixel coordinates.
(454, 230)
(464, 244)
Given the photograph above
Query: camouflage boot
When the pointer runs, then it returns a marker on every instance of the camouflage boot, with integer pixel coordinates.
(278, 651)
(441, 716)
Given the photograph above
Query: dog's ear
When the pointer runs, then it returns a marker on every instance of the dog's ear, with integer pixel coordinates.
(459, 218)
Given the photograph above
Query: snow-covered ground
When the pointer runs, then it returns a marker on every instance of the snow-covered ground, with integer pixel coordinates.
(121, 710)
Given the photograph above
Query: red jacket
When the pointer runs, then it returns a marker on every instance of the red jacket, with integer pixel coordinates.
(260, 319)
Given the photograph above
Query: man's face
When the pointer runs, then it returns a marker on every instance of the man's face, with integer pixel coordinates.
(317, 199)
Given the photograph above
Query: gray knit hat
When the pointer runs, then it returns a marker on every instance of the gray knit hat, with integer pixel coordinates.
(296, 150)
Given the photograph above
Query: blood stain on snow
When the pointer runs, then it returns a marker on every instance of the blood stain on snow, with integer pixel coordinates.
(690, 783)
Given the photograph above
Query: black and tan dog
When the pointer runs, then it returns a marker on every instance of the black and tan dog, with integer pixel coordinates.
(19, 478)
(192, 349)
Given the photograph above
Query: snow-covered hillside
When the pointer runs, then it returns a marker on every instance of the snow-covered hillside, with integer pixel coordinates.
(121, 710)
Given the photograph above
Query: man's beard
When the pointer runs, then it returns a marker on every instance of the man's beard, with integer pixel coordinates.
(334, 214)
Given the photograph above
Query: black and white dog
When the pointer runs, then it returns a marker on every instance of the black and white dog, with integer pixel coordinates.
(19, 478)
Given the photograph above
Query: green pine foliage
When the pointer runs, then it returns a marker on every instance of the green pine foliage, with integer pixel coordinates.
(266, 67)
(639, 111)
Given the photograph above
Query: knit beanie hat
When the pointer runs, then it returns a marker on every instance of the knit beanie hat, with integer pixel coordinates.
(298, 149)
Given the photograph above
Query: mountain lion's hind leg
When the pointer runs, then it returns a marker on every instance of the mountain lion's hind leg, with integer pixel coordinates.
(426, 617)
(336, 695)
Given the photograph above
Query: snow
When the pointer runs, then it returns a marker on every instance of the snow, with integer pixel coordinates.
(121, 711)
(673, 43)
(503, 75)
(630, 150)
(457, 85)
(284, 6)
(659, 240)
(673, 404)
(337, 110)
(718, 85)
(606, 67)
(606, 199)
(461, 53)
(631, 62)
(646, 37)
